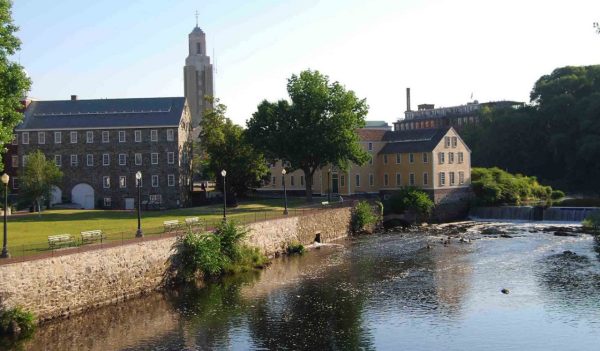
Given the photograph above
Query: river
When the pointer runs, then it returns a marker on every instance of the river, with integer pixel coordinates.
(382, 292)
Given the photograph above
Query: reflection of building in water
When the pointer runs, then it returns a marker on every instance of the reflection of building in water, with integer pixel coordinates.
(452, 273)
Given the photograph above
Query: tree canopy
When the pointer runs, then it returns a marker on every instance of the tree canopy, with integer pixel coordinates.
(556, 138)
(38, 177)
(224, 145)
(14, 83)
(317, 127)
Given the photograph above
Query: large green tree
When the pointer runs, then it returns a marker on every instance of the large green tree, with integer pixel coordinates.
(225, 147)
(38, 177)
(315, 128)
(14, 83)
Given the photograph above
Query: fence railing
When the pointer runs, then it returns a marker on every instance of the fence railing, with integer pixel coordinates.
(208, 222)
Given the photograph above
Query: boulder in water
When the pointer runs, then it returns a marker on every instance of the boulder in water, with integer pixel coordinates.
(505, 236)
(492, 231)
(563, 233)
(505, 291)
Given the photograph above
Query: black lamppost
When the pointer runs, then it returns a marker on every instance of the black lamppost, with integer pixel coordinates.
(138, 179)
(224, 174)
(5, 178)
(285, 211)
(329, 185)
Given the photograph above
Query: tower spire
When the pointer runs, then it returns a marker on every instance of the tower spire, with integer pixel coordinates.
(196, 18)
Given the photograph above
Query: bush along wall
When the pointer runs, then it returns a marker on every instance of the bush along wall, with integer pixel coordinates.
(365, 217)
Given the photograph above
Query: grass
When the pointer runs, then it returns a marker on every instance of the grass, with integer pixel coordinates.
(31, 231)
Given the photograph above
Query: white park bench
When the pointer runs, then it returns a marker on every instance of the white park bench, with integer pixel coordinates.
(91, 236)
(324, 203)
(171, 225)
(192, 221)
(59, 240)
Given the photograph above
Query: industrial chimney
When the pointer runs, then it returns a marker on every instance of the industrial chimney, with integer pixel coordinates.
(73, 97)
(407, 99)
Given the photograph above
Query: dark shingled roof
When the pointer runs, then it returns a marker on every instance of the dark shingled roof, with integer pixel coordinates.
(417, 140)
(103, 113)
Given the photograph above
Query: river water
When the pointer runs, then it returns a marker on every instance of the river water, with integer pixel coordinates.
(385, 292)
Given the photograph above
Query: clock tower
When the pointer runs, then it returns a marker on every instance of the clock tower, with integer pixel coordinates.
(197, 75)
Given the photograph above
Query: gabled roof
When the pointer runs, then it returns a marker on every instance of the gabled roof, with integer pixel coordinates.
(371, 134)
(417, 140)
(103, 113)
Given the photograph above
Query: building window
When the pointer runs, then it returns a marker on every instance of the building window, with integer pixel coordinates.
(74, 161)
(447, 142)
(15, 161)
(371, 179)
(89, 160)
(342, 180)
(73, 137)
(411, 158)
(292, 180)
(122, 159)
(370, 146)
(107, 202)
(41, 137)
(302, 180)
(460, 157)
(442, 178)
(454, 141)
(425, 157)
(156, 198)
(105, 136)
(155, 181)
(425, 178)
(440, 157)
(121, 136)
(154, 135)
(170, 135)
(273, 181)
(89, 136)
(138, 136)
(452, 178)
(105, 159)
(106, 182)
(170, 158)
(58, 160)
(15, 183)
(358, 180)
(154, 158)
(15, 140)
(25, 138)
(57, 137)
(122, 182)
(385, 179)
(385, 159)
(171, 179)
(451, 157)
(461, 177)
(398, 179)
(138, 159)
(370, 160)
(398, 158)
(411, 179)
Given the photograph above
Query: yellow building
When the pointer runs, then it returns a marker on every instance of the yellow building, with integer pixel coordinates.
(436, 160)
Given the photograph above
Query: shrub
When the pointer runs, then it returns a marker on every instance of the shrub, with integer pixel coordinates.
(230, 236)
(411, 199)
(592, 221)
(557, 195)
(18, 317)
(249, 258)
(493, 186)
(363, 216)
(295, 248)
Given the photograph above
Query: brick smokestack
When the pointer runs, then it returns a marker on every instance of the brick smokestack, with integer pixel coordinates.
(407, 99)
(73, 97)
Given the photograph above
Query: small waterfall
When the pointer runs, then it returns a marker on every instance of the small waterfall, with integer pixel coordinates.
(568, 214)
(522, 213)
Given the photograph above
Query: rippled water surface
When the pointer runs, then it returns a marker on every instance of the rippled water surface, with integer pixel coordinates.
(385, 292)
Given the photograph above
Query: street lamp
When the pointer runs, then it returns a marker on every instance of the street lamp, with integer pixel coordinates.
(138, 178)
(329, 185)
(224, 174)
(5, 178)
(285, 211)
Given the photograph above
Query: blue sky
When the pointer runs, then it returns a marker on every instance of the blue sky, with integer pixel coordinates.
(443, 50)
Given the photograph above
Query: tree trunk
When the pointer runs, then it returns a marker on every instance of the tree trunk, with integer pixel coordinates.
(308, 183)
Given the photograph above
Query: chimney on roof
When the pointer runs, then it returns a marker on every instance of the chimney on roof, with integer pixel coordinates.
(73, 97)
(407, 99)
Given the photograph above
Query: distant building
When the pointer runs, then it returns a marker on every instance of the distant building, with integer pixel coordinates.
(427, 116)
(197, 75)
(100, 145)
(383, 125)
(435, 160)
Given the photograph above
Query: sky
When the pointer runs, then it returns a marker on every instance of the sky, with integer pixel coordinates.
(445, 51)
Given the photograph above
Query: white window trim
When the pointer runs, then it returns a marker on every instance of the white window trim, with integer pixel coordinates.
(357, 181)
(106, 182)
(155, 184)
(122, 182)
(411, 158)
(398, 158)
(122, 157)
(42, 138)
(13, 163)
(106, 159)
(170, 134)
(137, 136)
(425, 178)
(89, 160)
(398, 179)
(107, 133)
(153, 135)
(425, 157)
(171, 180)
(74, 160)
(89, 137)
(122, 133)
(412, 179)
(57, 137)
(152, 158)
(25, 138)
(141, 159)
(73, 140)
(58, 160)
(170, 158)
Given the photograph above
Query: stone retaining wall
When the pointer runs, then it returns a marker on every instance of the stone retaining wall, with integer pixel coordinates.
(60, 286)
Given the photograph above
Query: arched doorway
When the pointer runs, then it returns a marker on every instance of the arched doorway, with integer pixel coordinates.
(55, 195)
(83, 194)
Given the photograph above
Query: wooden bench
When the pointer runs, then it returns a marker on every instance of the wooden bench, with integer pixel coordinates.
(91, 236)
(192, 221)
(59, 240)
(171, 225)
(324, 203)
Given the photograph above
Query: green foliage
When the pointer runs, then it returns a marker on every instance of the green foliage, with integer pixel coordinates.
(592, 221)
(38, 176)
(23, 319)
(14, 83)
(363, 216)
(557, 195)
(317, 129)
(413, 200)
(230, 235)
(493, 186)
(295, 248)
(224, 145)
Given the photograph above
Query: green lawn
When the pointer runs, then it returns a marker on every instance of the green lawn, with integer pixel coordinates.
(29, 232)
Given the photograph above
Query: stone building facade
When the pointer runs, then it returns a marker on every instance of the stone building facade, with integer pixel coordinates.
(100, 145)
(198, 76)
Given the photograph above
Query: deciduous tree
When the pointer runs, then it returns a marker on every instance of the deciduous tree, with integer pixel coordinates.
(38, 177)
